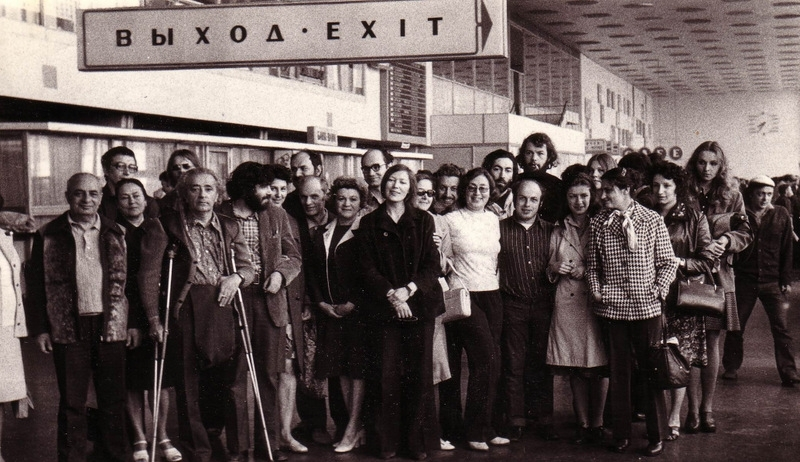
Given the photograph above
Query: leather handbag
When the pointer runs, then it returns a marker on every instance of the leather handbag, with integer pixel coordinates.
(668, 367)
(457, 304)
(699, 297)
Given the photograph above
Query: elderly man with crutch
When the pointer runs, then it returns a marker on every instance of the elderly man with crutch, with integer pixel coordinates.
(203, 286)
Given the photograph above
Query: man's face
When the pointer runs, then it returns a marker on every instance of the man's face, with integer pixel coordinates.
(447, 190)
(301, 166)
(502, 173)
(312, 197)
(202, 193)
(527, 201)
(534, 157)
(84, 197)
(121, 166)
(761, 197)
(259, 198)
(373, 167)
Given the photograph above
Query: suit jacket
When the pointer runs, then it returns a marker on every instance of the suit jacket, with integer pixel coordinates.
(169, 233)
(8, 250)
(346, 287)
(52, 287)
(278, 253)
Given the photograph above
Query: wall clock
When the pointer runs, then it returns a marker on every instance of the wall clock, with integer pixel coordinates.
(763, 123)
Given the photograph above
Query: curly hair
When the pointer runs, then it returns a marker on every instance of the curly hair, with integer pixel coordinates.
(678, 175)
(184, 183)
(246, 177)
(723, 186)
(538, 140)
(347, 182)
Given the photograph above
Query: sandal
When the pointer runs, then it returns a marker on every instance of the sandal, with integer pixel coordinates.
(168, 451)
(674, 433)
(140, 452)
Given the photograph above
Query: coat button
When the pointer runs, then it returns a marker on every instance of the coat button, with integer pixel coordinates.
(385, 234)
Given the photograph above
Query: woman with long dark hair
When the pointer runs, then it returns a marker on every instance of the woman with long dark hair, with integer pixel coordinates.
(690, 237)
(718, 196)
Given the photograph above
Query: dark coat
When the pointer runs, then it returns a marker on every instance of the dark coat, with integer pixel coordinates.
(108, 206)
(279, 252)
(346, 287)
(395, 254)
(170, 231)
(768, 258)
(52, 287)
(690, 236)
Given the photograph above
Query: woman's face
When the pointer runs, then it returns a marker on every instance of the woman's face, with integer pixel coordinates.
(180, 165)
(278, 191)
(708, 165)
(579, 198)
(425, 193)
(596, 170)
(664, 190)
(478, 193)
(613, 197)
(348, 203)
(397, 187)
(131, 201)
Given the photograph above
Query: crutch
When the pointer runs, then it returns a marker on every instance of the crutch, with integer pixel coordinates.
(160, 353)
(244, 330)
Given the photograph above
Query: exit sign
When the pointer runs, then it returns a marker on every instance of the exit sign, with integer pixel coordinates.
(291, 33)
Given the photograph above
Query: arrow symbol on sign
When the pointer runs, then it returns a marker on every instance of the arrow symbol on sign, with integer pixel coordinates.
(486, 24)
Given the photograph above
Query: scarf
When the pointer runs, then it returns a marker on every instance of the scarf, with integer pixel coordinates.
(627, 227)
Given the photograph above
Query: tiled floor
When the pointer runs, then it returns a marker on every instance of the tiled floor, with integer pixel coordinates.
(757, 418)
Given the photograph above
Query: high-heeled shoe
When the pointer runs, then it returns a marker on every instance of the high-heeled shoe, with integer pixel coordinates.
(140, 452)
(707, 423)
(347, 446)
(168, 451)
(293, 445)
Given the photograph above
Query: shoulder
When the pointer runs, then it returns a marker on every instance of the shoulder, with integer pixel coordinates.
(107, 225)
(56, 225)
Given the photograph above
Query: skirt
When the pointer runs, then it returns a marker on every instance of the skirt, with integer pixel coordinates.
(12, 379)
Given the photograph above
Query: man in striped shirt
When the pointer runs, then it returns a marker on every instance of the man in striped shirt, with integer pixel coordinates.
(527, 308)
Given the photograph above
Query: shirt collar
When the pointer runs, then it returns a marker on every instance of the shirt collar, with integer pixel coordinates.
(84, 226)
(213, 222)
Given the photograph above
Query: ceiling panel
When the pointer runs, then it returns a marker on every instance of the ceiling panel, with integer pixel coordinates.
(679, 46)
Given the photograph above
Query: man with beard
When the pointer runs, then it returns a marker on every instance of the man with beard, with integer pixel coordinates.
(502, 165)
(277, 261)
(447, 178)
(373, 166)
(537, 155)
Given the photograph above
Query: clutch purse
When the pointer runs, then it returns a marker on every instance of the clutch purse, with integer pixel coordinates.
(700, 298)
(456, 303)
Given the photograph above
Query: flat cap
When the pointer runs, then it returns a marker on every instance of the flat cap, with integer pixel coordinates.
(762, 180)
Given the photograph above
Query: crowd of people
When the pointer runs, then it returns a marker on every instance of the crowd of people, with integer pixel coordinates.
(333, 296)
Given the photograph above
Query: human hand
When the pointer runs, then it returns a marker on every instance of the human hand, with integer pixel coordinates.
(45, 343)
(328, 309)
(437, 239)
(786, 289)
(345, 308)
(134, 339)
(718, 246)
(274, 283)
(579, 272)
(227, 289)
(398, 296)
(403, 311)
(597, 296)
(157, 332)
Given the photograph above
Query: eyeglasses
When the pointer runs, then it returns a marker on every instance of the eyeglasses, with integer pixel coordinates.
(473, 189)
(130, 168)
(374, 167)
(184, 166)
(423, 193)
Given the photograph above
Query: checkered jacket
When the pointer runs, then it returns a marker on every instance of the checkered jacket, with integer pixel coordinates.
(632, 284)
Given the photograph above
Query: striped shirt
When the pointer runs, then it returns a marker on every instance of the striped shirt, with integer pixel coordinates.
(523, 259)
(88, 267)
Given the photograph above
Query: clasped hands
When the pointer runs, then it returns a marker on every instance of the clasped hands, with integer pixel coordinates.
(398, 298)
(568, 268)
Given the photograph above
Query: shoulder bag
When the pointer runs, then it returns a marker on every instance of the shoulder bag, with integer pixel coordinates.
(701, 295)
(456, 301)
(668, 367)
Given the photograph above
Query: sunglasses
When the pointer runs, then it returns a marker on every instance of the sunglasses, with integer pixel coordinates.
(423, 193)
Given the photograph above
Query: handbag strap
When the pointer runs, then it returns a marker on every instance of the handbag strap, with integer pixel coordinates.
(455, 273)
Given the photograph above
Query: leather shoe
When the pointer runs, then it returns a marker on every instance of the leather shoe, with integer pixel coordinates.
(386, 455)
(730, 374)
(514, 432)
(548, 433)
(654, 449)
(787, 383)
(707, 423)
(419, 456)
(692, 424)
(621, 445)
(321, 437)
